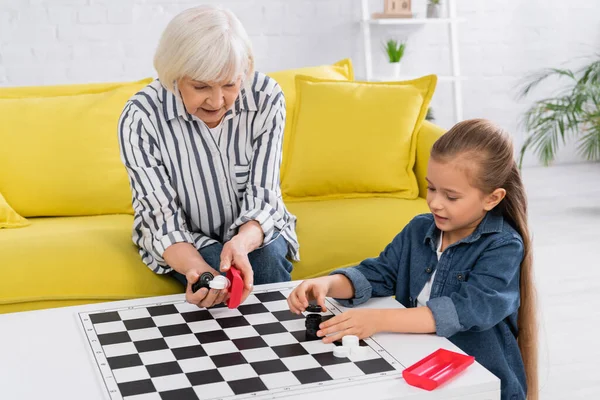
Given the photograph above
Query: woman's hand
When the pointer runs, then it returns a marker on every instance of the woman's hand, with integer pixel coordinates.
(361, 322)
(311, 289)
(203, 297)
(235, 254)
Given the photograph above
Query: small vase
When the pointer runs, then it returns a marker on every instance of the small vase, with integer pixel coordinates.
(395, 70)
(433, 11)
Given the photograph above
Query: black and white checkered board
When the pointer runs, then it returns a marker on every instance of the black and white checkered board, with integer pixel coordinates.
(259, 350)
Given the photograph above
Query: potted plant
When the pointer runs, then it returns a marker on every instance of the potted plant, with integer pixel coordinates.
(433, 8)
(395, 51)
(573, 113)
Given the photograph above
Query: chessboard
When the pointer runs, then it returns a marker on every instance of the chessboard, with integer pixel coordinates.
(175, 350)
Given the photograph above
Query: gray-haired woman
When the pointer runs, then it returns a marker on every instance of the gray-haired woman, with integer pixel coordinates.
(202, 146)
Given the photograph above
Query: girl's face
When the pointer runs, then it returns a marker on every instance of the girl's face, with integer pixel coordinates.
(456, 205)
(208, 101)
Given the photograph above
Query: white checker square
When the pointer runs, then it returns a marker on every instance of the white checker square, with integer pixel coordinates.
(237, 372)
(368, 354)
(317, 346)
(260, 318)
(344, 370)
(261, 354)
(145, 396)
(196, 364)
(204, 326)
(278, 339)
(186, 307)
(110, 327)
(295, 325)
(169, 319)
(213, 390)
(134, 313)
(119, 349)
(157, 357)
(217, 348)
(137, 335)
(251, 299)
(241, 332)
(278, 305)
(175, 342)
(286, 292)
(279, 380)
(300, 362)
(171, 382)
(224, 312)
(131, 374)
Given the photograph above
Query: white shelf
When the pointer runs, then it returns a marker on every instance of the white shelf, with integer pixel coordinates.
(412, 21)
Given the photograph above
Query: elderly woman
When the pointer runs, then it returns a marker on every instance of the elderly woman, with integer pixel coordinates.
(202, 147)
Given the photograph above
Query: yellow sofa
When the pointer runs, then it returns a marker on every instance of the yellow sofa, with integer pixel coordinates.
(68, 236)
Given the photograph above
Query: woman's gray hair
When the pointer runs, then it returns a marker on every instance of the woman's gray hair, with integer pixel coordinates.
(205, 43)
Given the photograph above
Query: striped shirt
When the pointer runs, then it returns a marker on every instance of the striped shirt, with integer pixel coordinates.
(196, 186)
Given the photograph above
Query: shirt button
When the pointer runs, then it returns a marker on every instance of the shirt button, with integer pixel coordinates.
(428, 270)
(459, 277)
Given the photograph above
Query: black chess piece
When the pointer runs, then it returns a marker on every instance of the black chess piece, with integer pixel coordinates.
(314, 308)
(203, 281)
(312, 326)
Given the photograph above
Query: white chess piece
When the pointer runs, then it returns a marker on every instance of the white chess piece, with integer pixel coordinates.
(219, 282)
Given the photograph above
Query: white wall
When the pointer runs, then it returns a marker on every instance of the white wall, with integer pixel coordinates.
(69, 41)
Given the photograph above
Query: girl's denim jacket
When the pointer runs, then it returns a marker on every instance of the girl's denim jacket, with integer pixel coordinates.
(475, 293)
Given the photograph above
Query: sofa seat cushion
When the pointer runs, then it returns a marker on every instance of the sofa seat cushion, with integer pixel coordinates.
(341, 233)
(67, 261)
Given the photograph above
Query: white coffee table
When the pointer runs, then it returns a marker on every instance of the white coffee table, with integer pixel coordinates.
(44, 355)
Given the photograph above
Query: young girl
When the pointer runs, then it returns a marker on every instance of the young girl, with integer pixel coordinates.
(464, 271)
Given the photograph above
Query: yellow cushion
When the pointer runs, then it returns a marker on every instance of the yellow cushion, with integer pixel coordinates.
(341, 233)
(59, 153)
(74, 260)
(340, 71)
(355, 139)
(8, 217)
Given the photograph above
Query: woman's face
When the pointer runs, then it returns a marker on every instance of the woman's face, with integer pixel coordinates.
(208, 101)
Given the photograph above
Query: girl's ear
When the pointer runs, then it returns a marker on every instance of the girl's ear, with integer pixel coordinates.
(492, 199)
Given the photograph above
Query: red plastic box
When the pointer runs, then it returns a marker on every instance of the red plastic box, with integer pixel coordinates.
(437, 368)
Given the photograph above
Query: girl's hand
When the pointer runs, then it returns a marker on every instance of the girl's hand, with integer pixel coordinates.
(362, 323)
(234, 253)
(311, 289)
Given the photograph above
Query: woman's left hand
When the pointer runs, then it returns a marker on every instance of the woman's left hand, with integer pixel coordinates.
(362, 323)
(235, 254)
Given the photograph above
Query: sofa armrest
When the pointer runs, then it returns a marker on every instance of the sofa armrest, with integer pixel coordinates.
(426, 136)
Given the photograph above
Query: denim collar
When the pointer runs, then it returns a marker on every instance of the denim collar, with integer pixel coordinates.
(173, 106)
(491, 223)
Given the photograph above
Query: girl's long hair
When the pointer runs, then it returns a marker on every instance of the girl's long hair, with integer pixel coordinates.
(491, 150)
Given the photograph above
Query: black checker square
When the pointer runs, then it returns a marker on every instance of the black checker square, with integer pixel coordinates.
(232, 322)
(126, 361)
(249, 385)
(250, 343)
(179, 394)
(286, 315)
(136, 387)
(163, 310)
(270, 296)
(289, 350)
(151, 345)
(174, 330)
(195, 316)
(328, 358)
(268, 367)
(374, 366)
(252, 309)
(204, 377)
(228, 360)
(139, 323)
(184, 353)
(270, 328)
(162, 369)
(211, 336)
(100, 318)
(114, 338)
(301, 336)
(312, 375)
